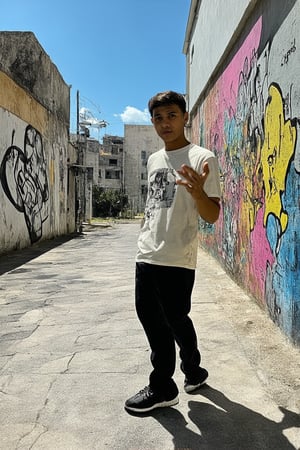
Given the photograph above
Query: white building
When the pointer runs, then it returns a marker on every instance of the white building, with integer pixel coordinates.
(140, 142)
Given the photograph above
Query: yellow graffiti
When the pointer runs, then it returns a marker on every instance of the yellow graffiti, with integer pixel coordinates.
(252, 186)
(276, 153)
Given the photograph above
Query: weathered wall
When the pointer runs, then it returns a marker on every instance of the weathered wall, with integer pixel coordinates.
(36, 186)
(249, 116)
(92, 158)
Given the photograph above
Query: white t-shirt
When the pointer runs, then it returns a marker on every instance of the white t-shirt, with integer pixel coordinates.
(168, 236)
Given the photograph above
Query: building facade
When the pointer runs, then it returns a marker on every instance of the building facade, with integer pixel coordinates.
(243, 90)
(111, 164)
(37, 184)
(86, 171)
(139, 142)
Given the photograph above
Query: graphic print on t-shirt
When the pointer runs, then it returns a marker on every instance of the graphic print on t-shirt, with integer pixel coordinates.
(162, 188)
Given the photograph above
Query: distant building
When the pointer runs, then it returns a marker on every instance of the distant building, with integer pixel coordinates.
(140, 142)
(86, 170)
(111, 163)
(118, 163)
(93, 150)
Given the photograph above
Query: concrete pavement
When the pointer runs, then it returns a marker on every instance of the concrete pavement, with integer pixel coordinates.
(72, 351)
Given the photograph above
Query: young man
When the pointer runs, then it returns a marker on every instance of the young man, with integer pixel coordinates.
(183, 182)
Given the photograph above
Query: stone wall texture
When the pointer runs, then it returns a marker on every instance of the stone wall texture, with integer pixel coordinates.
(37, 186)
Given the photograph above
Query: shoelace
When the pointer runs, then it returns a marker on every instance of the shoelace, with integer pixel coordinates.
(147, 391)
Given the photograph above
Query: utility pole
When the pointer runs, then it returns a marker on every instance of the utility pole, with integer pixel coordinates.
(77, 118)
(79, 181)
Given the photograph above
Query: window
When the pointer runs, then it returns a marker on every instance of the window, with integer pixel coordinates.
(112, 174)
(113, 162)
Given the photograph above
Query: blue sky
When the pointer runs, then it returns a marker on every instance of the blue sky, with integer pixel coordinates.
(116, 53)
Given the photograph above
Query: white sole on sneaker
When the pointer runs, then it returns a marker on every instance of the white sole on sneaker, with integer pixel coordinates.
(163, 404)
(193, 387)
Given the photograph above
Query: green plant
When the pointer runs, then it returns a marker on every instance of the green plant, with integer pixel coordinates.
(108, 202)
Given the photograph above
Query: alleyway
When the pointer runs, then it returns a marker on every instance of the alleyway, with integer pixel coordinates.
(72, 351)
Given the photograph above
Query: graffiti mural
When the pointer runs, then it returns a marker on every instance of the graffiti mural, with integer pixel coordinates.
(254, 132)
(24, 180)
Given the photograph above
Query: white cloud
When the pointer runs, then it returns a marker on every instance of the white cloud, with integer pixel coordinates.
(134, 115)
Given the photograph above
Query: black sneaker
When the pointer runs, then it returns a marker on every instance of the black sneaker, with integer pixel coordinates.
(147, 399)
(192, 385)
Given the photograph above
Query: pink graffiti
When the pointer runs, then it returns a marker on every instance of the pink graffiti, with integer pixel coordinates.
(261, 253)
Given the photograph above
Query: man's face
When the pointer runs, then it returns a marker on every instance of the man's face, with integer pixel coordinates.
(169, 122)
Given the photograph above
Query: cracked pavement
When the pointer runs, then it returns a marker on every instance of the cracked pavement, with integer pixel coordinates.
(72, 351)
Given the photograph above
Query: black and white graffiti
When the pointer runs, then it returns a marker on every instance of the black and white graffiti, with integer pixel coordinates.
(24, 180)
(162, 188)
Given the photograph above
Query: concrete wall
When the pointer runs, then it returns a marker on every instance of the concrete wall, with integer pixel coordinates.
(92, 158)
(139, 142)
(37, 188)
(211, 29)
(249, 115)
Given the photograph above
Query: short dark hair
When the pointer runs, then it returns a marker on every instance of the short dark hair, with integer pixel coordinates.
(167, 98)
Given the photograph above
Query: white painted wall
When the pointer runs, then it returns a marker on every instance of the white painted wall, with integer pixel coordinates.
(209, 32)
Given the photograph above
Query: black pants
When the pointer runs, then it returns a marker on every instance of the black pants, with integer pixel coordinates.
(163, 302)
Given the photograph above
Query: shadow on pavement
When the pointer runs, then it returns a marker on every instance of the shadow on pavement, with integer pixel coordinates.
(224, 424)
(17, 258)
